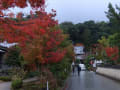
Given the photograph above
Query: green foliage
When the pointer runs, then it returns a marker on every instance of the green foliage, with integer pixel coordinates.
(16, 84)
(113, 15)
(87, 62)
(114, 39)
(87, 33)
(32, 74)
(5, 78)
(103, 41)
(109, 62)
(61, 70)
(15, 74)
(12, 57)
(67, 26)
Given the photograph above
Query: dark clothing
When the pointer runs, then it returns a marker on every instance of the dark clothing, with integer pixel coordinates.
(73, 69)
(79, 69)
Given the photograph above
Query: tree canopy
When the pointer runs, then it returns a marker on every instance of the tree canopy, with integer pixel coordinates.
(87, 33)
(38, 36)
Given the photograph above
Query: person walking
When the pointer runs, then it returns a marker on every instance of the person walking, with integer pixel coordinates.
(73, 67)
(79, 69)
(94, 66)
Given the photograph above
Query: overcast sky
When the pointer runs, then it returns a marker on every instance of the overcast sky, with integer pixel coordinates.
(77, 10)
(80, 10)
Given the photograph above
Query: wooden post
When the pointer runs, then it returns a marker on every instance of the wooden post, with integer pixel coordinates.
(47, 86)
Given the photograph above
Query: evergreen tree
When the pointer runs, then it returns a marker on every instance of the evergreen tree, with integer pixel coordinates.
(113, 15)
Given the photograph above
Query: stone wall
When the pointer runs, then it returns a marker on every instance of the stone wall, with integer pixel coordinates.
(109, 72)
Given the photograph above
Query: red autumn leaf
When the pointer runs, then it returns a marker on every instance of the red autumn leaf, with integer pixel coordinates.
(112, 52)
(39, 37)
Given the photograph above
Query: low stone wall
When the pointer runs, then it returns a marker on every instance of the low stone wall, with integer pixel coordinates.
(109, 72)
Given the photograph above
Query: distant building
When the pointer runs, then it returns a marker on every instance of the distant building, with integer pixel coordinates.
(6, 44)
(79, 52)
(2, 52)
(79, 49)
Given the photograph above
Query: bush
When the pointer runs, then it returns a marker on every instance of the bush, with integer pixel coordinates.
(32, 74)
(5, 78)
(87, 62)
(16, 84)
(12, 57)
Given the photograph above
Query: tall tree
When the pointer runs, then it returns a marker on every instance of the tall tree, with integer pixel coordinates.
(88, 32)
(113, 15)
(39, 37)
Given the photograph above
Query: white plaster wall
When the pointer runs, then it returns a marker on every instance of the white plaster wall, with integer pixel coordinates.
(113, 73)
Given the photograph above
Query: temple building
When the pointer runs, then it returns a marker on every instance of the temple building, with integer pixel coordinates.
(79, 52)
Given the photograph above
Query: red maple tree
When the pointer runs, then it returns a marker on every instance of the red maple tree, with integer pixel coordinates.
(112, 52)
(39, 36)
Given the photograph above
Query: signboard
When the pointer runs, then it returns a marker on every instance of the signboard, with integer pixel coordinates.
(79, 49)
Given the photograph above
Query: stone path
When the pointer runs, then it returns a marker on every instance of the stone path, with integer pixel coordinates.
(91, 81)
(5, 86)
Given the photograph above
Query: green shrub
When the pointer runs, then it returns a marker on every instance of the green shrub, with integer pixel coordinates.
(32, 74)
(87, 62)
(5, 78)
(12, 57)
(16, 84)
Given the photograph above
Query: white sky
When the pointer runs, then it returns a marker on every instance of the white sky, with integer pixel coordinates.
(80, 10)
(77, 10)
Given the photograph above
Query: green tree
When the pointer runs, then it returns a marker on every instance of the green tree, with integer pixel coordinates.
(87, 33)
(113, 15)
(104, 41)
(12, 57)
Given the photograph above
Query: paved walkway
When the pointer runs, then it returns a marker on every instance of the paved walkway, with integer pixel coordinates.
(7, 85)
(86, 81)
(91, 81)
